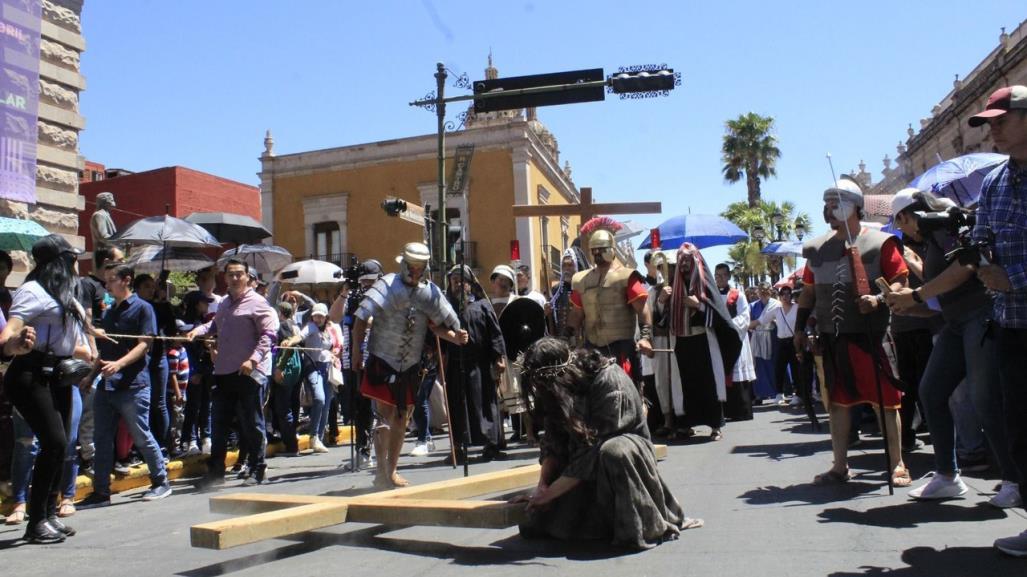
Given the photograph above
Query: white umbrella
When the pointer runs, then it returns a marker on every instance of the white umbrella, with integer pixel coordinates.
(310, 272)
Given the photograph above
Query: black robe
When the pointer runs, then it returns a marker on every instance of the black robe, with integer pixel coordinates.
(484, 347)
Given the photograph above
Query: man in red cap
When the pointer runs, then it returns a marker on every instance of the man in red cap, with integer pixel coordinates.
(1002, 224)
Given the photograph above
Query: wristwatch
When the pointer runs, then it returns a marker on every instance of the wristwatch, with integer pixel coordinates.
(916, 296)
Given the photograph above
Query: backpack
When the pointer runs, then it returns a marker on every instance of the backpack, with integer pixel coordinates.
(291, 366)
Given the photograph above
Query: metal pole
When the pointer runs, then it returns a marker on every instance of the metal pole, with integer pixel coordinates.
(440, 111)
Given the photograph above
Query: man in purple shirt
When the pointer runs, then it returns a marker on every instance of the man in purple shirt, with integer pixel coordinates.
(245, 326)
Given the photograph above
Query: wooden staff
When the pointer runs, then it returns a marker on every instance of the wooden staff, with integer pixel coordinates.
(445, 399)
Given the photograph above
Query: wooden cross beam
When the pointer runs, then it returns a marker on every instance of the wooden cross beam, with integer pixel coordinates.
(442, 503)
(586, 209)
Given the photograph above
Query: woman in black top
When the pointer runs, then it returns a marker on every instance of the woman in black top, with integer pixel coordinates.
(45, 327)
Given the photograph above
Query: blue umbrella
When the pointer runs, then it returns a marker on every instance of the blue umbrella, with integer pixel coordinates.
(959, 178)
(19, 234)
(783, 248)
(702, 230)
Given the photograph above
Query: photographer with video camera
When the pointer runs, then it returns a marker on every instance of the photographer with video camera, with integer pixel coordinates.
(1002, 223)
(966, 346)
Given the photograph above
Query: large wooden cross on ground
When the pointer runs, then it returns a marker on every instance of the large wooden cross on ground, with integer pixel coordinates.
(587, 209)
(442, 503)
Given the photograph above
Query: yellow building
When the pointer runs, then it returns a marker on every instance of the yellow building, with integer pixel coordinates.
(326, 204)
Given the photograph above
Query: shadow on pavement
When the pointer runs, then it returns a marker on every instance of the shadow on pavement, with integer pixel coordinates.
(512, 550)
(808, 493)
(950, 562)
(785, 451)
(913, 513)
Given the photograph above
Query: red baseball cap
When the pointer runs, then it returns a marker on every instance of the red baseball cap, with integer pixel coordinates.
(1000, 102)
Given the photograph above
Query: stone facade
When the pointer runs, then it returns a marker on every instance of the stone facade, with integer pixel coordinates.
(57, 161)
(945, 133)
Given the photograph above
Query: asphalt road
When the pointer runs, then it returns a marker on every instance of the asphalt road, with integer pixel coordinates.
(762, 518)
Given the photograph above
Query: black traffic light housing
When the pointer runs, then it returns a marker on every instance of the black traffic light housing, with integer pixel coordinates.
(394, 206)
(648, 80)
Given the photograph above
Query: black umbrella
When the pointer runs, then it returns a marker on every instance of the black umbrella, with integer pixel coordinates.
(166, 231)
(230, 227)
(268, 259)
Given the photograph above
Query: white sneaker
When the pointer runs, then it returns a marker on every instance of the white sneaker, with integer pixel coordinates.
(205, 446)
(779, 400)
(939, 487)
(420, 450)
(317, 446)
(796, 401)
(1008, 496)
(1015, 545)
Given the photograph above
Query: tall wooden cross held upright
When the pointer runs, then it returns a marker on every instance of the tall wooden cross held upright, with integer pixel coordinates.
(587, 209)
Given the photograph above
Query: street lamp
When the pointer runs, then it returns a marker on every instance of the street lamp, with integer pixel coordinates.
(778, 219)
(759, 234)
(800, 228)
(738, 271)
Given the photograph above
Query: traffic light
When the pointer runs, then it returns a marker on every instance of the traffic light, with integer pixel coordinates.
(394, 206)
(654, 80)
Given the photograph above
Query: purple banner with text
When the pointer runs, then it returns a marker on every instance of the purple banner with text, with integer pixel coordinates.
(20, 22)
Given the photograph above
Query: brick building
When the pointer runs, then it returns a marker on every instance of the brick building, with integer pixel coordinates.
(174, 190)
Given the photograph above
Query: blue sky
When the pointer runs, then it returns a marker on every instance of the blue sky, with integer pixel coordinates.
(196, 83)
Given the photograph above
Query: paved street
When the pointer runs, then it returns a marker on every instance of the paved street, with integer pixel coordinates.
(761, 519)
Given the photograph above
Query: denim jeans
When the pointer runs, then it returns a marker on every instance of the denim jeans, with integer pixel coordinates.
(969, 433)
(159, 418)
(70, 473)
(85, 425)
(237, 396)
(967, 348)
(196, 425)
(318, 386)
(422, 408)
(133, 406)
(25, 449)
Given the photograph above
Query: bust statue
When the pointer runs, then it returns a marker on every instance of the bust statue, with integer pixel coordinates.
(101, 225)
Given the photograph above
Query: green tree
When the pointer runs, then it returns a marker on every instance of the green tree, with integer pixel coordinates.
(747, 253)
(750, 151)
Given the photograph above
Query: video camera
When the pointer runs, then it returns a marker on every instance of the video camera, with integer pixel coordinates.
(351, 274)
(959, 223)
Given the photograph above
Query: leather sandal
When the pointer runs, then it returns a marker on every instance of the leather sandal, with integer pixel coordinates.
(66, 508)
(900, 477)
(17, 516)
(832, 477)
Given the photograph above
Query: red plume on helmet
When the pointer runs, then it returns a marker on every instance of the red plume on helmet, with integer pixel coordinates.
(600, 222)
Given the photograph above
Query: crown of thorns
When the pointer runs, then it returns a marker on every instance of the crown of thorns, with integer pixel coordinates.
(545, 371)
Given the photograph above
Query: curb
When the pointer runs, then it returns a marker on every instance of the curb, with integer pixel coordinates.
(194, 466)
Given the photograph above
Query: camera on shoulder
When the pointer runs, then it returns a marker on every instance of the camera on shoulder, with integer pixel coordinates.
(958, 223)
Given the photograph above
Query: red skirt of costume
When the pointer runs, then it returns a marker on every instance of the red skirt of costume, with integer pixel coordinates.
(863, 389)
(375, 382)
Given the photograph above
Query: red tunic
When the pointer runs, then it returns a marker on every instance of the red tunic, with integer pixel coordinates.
(893, 267)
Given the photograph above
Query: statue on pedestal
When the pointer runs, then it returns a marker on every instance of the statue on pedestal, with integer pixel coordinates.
(100, 224)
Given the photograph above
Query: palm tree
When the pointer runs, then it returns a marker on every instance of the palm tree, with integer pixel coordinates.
(747, 253)
(750, 150)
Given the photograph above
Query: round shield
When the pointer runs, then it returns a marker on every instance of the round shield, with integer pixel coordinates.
(523, 322)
